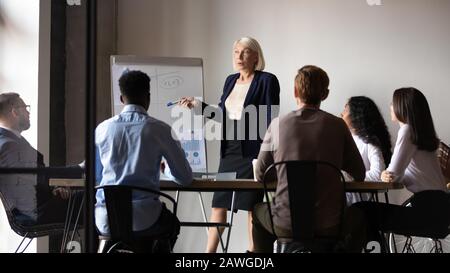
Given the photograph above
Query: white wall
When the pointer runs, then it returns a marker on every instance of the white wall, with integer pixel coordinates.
(366, 50)
(21, 71)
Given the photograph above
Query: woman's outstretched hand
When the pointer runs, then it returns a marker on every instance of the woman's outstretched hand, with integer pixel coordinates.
(189, 102)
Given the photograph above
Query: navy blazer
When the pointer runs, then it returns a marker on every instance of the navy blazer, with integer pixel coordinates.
(264, 90)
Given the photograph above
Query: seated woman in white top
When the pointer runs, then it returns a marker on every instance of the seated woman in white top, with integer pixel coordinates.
(372, 138)
(415, 164)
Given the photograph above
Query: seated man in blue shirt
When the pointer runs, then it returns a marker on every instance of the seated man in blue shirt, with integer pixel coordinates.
(129, 149)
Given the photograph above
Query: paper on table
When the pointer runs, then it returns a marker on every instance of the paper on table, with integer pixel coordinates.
(225, 176)
(254, 168)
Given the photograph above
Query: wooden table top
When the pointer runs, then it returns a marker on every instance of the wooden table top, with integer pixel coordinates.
(236, 185)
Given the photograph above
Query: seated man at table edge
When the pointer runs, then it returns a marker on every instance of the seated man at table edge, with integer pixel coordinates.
(308, 133)
(28, 196)
(129, 149)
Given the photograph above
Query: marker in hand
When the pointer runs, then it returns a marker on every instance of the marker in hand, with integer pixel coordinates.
(173, 103)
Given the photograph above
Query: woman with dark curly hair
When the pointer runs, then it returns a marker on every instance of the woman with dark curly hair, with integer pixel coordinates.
(371, 136)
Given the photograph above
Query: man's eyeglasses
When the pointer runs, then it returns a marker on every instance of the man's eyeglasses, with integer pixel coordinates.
(27, 107)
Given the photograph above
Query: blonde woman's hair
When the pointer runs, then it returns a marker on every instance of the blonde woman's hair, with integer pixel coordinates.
(252, 44)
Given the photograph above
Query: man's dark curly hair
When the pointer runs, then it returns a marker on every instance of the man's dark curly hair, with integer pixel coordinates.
(135, 86)
(368, 124)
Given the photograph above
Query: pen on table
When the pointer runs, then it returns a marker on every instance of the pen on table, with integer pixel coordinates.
(173, 103)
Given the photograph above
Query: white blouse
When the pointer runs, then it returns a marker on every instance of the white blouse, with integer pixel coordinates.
(235, 101)
(374, 163)
(418, 170)
(372, 157)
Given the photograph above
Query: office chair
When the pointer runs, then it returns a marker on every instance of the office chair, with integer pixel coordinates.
(428, 240)
(122, 239)
(302, 177)
(27, 228)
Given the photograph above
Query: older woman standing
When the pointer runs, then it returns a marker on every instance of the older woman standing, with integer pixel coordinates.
(250, 88)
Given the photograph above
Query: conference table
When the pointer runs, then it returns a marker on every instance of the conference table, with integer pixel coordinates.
(210, 185)
(202, 185)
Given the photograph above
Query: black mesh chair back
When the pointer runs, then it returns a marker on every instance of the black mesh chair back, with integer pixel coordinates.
(302, 177)
(118, 200)
(27, 228)
(118, 205)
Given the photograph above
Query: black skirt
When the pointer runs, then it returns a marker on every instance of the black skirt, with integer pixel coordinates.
(233, 161)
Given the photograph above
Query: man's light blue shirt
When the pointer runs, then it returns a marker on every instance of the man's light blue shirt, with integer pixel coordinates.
(129, 150)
